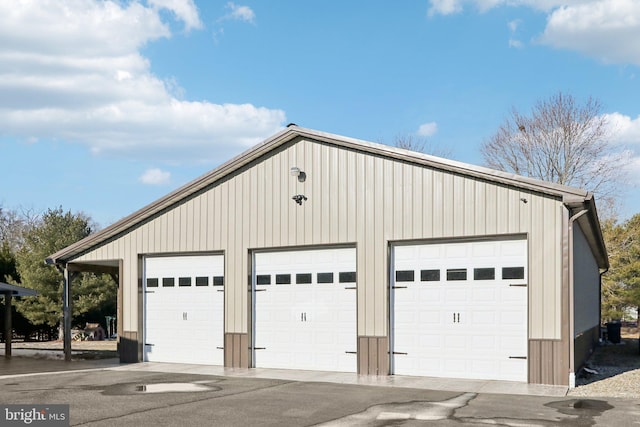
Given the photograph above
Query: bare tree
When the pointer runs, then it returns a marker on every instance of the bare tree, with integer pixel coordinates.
(14, 223)
(420, 144)
(561, 141)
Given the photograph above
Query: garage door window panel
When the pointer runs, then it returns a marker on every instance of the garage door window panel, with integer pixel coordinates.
(513, 272)
(283, 279)
(405, 276)
(202, 281)
(263, 279)
(325, 278)
(484, 274)
(429, 275)
(184, 281)
(347, 277)
(456, 274)
(218, 280)
(303, 278)
(152, 283)
(168, 282)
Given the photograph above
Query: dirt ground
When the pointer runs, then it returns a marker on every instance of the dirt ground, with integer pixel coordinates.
(629, 332)
(624, 355)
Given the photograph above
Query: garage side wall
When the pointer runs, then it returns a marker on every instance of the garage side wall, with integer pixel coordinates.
(586, 297)
(353, 197)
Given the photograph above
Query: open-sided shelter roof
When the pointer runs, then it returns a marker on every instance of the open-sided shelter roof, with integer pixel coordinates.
(16, 291)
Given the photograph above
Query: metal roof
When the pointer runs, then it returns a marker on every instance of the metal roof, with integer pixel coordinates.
(569, 195)
(16, 291)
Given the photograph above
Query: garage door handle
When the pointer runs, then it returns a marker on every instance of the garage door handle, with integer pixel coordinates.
(523, 285)
(351, 352)
(259, 348)
(150, 345)
(399, 287)
(518, 357)
(220, 348)
(351, 287)
(399, 352)
(259, 290)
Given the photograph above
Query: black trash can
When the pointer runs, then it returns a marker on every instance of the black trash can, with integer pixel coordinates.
(613, 331)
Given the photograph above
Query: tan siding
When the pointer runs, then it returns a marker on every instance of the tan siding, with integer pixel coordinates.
(427, 202)
(353, 198)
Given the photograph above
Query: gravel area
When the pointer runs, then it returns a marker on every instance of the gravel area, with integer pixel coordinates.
(618, 367)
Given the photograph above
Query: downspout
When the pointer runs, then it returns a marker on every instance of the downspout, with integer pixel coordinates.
(572, 332)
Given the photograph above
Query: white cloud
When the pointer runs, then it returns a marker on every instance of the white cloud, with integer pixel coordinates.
(428, 129)
(515, 43)
(625, 133)
(155, 176)
(240, 13)
(447, 7)
(513, 28)
(603, 29)
(624, 129)
(72, 70)
(185, 10)
(606, 29)
(633, 172)
(513, 25)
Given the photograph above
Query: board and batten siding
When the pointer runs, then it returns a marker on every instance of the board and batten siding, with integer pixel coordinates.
(354, 198)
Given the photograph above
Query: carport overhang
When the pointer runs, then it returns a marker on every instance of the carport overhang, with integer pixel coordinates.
(69, 271)
(8, 292)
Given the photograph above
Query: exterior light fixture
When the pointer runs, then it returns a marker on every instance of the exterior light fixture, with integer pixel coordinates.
(295, 171)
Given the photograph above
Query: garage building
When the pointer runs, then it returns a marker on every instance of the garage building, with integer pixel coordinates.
(321, 252)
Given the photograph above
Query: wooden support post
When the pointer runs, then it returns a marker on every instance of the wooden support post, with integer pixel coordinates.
(66, 313)
(8, 329)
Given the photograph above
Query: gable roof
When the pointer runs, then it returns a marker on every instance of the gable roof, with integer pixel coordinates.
(571, 196)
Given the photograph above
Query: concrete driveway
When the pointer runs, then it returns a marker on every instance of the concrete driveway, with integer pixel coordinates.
(141, 395)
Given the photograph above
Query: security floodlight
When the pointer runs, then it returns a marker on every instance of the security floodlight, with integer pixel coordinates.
(295, 171)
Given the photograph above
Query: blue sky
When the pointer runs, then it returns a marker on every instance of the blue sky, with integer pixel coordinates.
(106, 106)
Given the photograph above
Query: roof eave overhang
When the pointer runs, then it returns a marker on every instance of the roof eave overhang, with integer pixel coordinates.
(590, 226)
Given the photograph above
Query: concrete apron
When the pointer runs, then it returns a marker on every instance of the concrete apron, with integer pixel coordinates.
(30, 366)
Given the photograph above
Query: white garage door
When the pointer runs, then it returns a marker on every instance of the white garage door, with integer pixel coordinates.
(305, 310)
(184, 300)
(459, 310)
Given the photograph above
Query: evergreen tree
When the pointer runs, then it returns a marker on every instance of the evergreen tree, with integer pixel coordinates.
(621, 284)
(56, 230)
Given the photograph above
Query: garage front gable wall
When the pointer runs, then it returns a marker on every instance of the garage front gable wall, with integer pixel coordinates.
(355, 196)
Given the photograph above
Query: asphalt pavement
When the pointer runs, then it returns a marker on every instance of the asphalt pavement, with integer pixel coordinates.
(104, 393)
